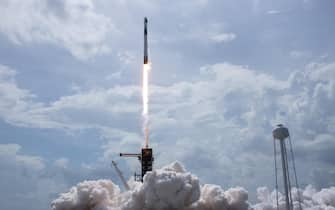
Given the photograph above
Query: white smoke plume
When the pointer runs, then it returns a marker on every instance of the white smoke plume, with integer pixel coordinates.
(309, 197)
(173, 188)
(88, 195)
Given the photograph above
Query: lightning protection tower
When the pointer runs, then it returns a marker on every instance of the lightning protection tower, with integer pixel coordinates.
(281, 136)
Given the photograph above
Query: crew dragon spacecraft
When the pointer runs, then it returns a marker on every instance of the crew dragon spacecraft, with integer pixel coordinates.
(146, 156)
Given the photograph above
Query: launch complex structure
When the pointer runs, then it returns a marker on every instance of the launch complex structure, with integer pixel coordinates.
(146, 156)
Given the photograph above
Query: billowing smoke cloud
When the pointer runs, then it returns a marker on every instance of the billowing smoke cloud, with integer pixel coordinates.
(87, 195)
(309, 197)
(173, 188)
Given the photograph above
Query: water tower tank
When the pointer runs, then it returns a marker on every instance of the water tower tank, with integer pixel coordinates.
(280, 132)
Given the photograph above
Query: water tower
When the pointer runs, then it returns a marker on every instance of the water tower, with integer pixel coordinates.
(281, 136)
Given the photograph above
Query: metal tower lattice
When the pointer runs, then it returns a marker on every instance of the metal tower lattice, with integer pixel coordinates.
(280, 135)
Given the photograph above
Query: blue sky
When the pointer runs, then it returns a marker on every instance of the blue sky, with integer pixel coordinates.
(224, 73)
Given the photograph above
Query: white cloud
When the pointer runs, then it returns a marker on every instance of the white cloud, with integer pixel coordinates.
(17, 105)
(230, 109)
(114, 76)
(168, 188)
(223, 37)
(172, 187)
(299, 54)
(73, 24)
(61, 163)
(273, 12)
(23, 183)
(325, 72)
(126, 57)
(10, 152)
(31, 182)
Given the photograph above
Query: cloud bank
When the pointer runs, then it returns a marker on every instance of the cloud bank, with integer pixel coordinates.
(172, 187)
(25, 181)
(74, 25)
(234, 104)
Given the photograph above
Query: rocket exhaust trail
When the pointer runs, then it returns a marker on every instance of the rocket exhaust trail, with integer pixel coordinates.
(145, 85)
(145, 98)
(146, 156)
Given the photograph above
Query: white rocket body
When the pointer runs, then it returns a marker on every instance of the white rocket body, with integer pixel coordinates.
(146, 57)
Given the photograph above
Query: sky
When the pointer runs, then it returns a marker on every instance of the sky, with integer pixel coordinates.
(224, 73)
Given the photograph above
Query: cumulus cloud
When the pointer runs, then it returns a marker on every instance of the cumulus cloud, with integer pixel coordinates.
(33, 181)
(234, 104)
(17, 105)
(61, 163)
(224, 37)
(172, 187)
(309, 198)
(9, 154)
(22, 180)
(88, 195)
(273, 12)
(299, 54)
(74, 25)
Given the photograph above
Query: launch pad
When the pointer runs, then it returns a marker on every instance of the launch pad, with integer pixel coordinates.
(146, 159)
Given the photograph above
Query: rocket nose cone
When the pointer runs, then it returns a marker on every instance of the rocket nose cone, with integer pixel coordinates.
(145, 20)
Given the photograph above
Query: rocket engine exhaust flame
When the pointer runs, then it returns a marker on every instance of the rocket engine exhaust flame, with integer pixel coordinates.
(145, 86)
(145, 100)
